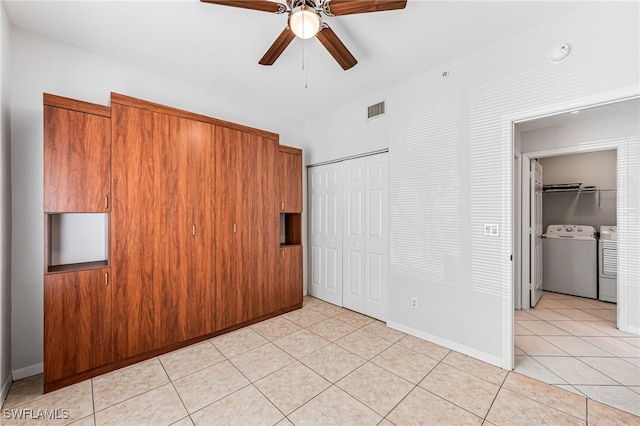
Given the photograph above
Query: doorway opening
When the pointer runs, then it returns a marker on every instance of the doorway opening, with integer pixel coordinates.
(568, 337)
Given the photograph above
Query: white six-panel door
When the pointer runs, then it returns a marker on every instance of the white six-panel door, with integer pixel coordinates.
(353, 234)
(326, 233)
(362, 214)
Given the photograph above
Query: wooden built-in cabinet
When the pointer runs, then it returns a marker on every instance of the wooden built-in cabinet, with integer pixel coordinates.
(290, 191)
(77, 183)
(193, 210)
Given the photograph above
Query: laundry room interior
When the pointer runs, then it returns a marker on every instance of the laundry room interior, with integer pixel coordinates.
(579, 196)
(579, 191)
(571, 204)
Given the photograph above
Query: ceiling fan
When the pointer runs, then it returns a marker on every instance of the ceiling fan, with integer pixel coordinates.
(305, 21)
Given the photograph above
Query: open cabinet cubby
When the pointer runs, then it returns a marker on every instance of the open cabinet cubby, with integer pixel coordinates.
(76, 241)
(290, 229)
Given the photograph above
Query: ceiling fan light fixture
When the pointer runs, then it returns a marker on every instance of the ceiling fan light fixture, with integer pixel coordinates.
(305, 22)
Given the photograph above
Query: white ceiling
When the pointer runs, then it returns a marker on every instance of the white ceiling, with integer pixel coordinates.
(217, 48)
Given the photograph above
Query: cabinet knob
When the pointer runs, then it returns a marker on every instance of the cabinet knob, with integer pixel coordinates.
(193, 229)
(282, 251)
(235, 228)
(106, 278)
(282, 206)
(106, 202)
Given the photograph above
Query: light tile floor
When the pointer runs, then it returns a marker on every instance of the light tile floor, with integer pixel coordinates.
(320, 365)
(573, 343)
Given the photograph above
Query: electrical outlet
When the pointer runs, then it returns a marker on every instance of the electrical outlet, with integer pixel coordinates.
(414, 303)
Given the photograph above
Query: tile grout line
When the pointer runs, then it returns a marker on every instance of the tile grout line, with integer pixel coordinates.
(495, 397)
(173, 385)
(602, 318)
(93, 404)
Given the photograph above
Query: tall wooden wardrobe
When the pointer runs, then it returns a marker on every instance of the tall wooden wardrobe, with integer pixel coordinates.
(194, 208)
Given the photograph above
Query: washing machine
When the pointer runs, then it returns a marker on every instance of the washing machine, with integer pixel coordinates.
(570, 260)
(607, 264)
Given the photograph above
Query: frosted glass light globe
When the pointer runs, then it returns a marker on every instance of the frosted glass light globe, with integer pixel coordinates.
(304, 22)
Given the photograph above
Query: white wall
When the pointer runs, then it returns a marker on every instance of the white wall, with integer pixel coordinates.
(5, 209)
(451, 167)
(78, 238)
(43, 65)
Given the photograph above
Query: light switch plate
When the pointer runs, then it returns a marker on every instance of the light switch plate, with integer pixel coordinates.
(492, 229)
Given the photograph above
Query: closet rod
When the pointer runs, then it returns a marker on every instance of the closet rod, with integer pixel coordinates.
(339, 160)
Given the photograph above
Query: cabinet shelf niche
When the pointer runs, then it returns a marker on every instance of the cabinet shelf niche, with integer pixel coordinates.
(290, 229)
(76, 241)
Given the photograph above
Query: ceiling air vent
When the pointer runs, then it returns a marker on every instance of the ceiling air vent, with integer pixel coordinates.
(376, 110)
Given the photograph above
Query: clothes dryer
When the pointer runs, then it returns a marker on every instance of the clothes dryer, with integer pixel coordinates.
(608, 264)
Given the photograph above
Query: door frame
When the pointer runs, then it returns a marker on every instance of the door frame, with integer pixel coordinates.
(309, 228)
(508, 124)
(525, 267)
(534, 232)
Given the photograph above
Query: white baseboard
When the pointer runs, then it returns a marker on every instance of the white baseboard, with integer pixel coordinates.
(27, 371)
(6, 384)
(633, 330)
(474, 353)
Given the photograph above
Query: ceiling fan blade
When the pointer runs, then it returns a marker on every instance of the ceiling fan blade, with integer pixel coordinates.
(262, 5)
(350, 7)
(278, 46)
(338, 50)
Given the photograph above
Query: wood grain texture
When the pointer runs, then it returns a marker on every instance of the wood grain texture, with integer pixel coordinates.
(261, 5)
(350, 7)
(203, 182)
(289, 149)
(77, 161)
(143, 298)
(228, 168)
(290, 182)
(293, 228)
(192, 153)
(290, 277)
(248, 198)
(275, 50)
(259, 233)
(77, 323)
(124, 100)
(336, 48)
(179, 217)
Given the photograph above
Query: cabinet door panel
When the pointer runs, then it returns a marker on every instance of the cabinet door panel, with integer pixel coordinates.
(290, 278)
(193, 251)
(180, 222)
(246, 202)
(142, 297)
(77, 161)
(77, 325)
(290, 182)
(228, 169)
(261, 224)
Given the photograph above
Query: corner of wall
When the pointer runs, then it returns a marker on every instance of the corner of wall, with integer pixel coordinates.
(4, 390)
(28, 371)
(5, 207)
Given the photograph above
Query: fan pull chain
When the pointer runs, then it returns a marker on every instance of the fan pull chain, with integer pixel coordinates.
(306, 68)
